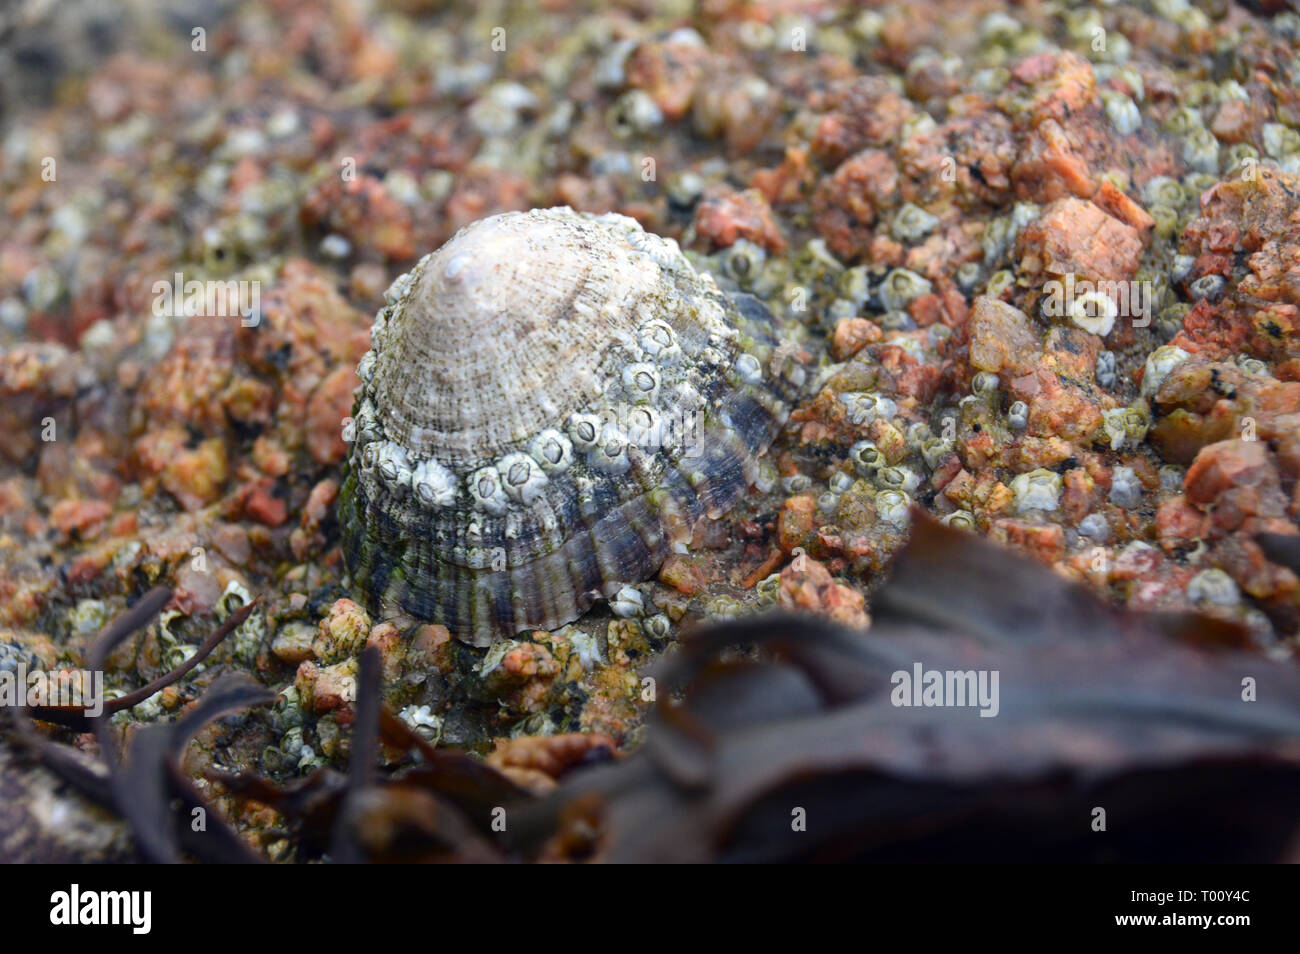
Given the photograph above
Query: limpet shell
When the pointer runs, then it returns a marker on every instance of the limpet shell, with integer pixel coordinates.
(551, 401)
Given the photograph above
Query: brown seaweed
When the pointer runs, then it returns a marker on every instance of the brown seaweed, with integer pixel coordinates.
(1099, 709)
(142, 784)
(777, 738)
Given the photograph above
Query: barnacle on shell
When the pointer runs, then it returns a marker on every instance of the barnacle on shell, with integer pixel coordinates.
(551, 401)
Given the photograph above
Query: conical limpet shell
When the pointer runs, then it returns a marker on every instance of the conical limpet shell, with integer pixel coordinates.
(551, 401)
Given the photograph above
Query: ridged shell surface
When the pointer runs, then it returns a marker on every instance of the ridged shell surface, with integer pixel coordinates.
(552, 400)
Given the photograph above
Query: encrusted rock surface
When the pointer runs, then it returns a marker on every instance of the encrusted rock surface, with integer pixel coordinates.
(908, 189)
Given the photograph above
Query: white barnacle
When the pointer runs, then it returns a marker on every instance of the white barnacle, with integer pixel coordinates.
(960, 520)
(1037, 490)
(544, 513)
(862, 406)
(901, 287)
(657, 626)
(585, 646)
(712, 357)
(866, 457)
(522, 477)
(749, 369)
(398, 288)
(645, 428)
(1122, 112)
(1125, 488)
(424, 721)
(484, 487)
(433, 484)
(641, 381)
(1159, 364)
(1213, 586)
(1094, 312)
(839, 482)
(552, 450)
(796, 483)
(658, 340)
(584, 430)
(365, 427)
(935, 450)
(1107, 369)
(366, 367)
(610, 453)
(1095, 527)
(710, 313)
(627, 602)
(912, 347)
(1114, 424)
(685, 396)
(892, 506)
(985, 382)
(456, 265)
(898, 478)
(379, 328)
(393, 465)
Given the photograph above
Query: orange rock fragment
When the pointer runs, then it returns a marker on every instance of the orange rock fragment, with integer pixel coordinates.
(724, 216)
(1111, 200)
(1074, 236)
(807, 585)
(852, 335)
(1003, 338)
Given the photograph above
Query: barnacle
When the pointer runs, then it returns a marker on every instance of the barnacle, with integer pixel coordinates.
(985, 383)
(960, 520)
(1125, 490)
(913, 223)
(1094, 312)
(633, 113)
(867, 457)
(1162, 190)
(743, 261)
(893, 507)
(1037, 490)
(1213, 586)
(1158, 365)
(1280, 140)
(897, 478)
(901, 287)
(855, 285)
(1122, 112)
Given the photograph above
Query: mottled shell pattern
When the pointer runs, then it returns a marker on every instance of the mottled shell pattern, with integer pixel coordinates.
(551, 401)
